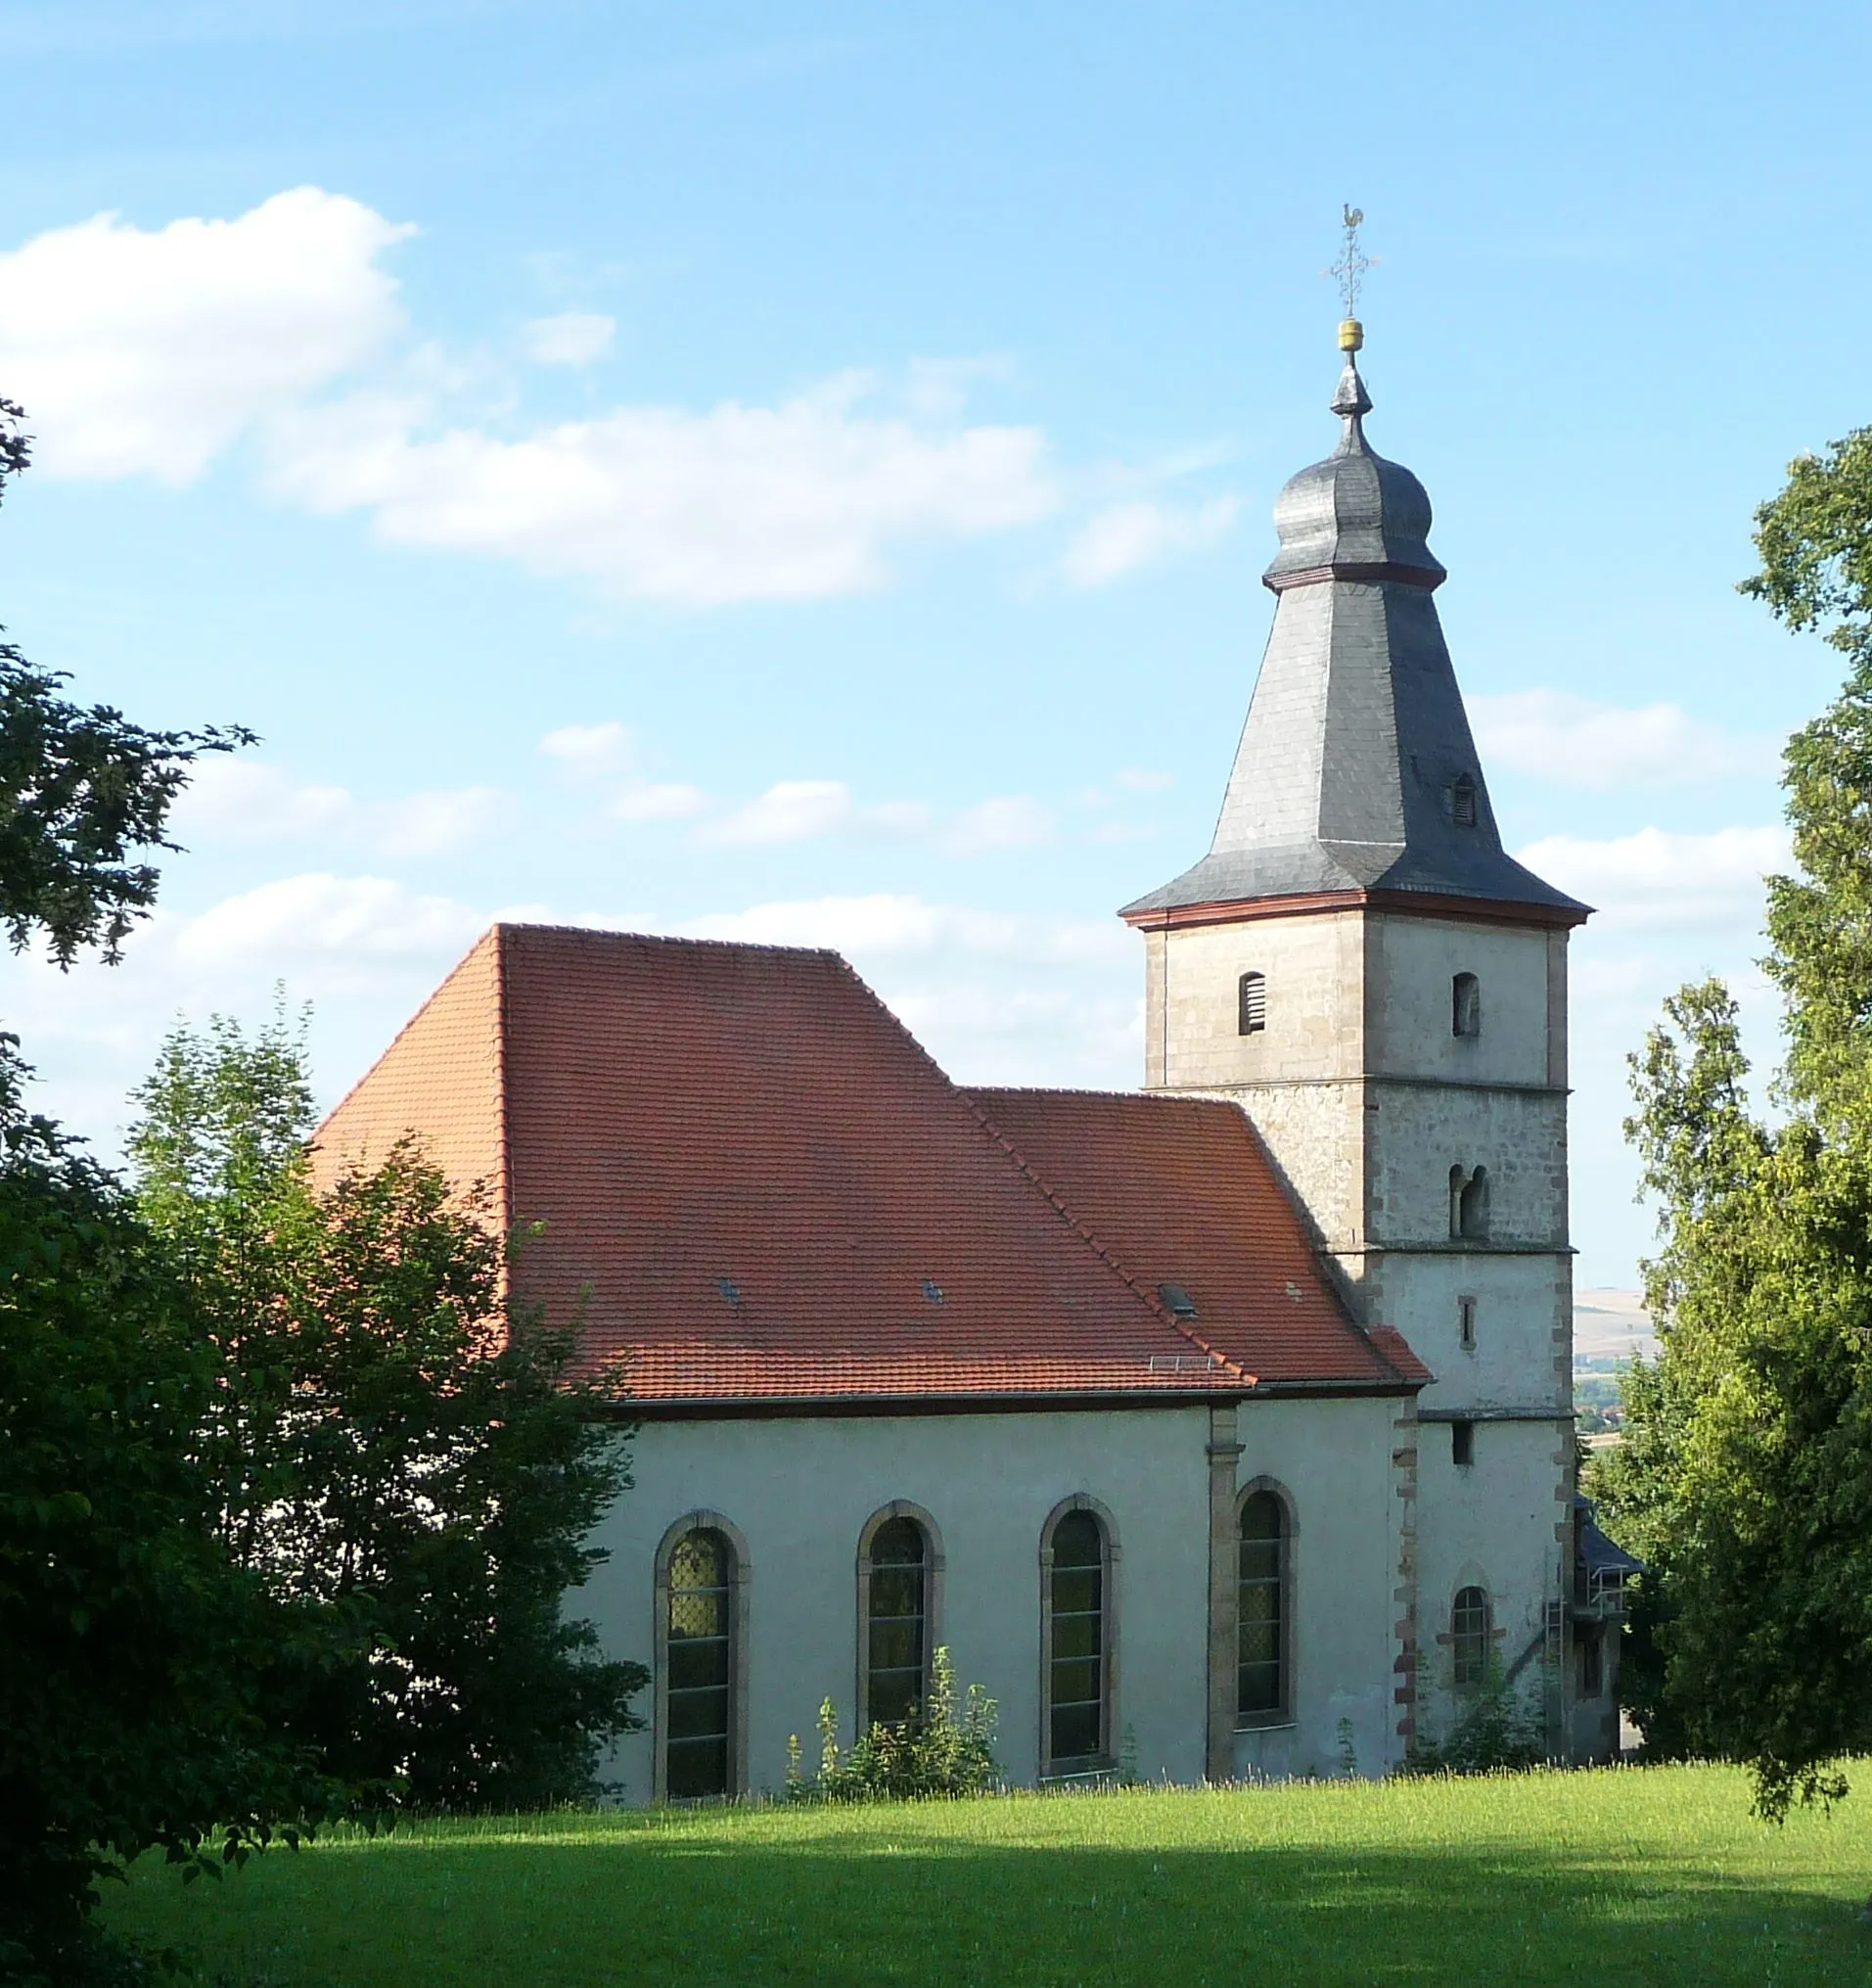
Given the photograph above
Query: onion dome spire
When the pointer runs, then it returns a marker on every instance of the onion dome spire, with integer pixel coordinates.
(1356, 772)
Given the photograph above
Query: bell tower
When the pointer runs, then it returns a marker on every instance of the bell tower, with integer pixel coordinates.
(1360, 967)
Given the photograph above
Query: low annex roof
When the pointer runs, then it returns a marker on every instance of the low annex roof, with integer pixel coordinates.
(1182, 1192)
(755, 1186)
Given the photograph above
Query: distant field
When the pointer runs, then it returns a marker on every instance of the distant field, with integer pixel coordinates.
(1625, 1876)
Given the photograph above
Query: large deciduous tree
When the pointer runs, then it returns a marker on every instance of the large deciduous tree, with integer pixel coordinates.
(393, 1443)
(1746, 1481)
(134, 1657)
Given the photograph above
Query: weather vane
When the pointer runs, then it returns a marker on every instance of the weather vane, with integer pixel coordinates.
(1348, 269)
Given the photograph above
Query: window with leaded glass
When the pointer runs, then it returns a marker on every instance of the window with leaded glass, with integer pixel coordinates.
(1468, 1637)
(1076, 1660)
(1260, 1692)
(700, 1667)
(897, 1653)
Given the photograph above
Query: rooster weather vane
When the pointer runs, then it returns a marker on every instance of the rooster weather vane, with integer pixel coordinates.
(1352, 263)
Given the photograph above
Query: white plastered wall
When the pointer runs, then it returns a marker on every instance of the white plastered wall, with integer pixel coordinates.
(801, 1489)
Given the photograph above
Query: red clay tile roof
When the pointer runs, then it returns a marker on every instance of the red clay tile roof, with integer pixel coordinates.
(761, 1187)
(1180, 1190)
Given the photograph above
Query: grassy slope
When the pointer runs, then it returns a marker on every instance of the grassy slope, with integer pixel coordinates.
(1625, 1876)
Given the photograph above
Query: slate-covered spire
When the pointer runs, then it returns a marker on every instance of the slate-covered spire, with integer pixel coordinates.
(1357, 771)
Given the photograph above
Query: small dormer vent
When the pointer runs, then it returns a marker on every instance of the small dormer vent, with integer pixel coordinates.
(1177, 1300)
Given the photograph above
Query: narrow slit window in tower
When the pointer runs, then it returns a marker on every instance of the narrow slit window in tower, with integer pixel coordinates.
(1253, 1003)
(1462, 1444)
(1466, 1323)
(1465, 1006)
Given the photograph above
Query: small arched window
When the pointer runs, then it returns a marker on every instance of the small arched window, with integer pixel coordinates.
(1260, 1688)
(1471, 1208)
(1252, 1003)
(700, 1667)
(896, 1630)
(1462, 801)
(1465, 1006)
(1468, 1637)
(1079, 1643)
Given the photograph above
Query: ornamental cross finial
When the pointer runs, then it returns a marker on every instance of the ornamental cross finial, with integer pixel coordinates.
(1352, 263)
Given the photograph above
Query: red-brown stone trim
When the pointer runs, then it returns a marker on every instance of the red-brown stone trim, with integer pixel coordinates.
(1412, 903)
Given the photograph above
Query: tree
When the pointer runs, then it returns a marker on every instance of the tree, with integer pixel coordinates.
(395, 1444)
(133, 1656)
(1745, 1482)
(81, 794)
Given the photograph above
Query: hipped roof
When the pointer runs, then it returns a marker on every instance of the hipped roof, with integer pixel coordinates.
(755, 1186)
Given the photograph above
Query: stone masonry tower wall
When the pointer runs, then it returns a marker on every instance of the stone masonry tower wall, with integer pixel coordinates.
(1360, 967)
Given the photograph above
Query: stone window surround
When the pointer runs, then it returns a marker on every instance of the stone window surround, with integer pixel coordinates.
(740, 1581)
(1469, 1577)
(932, 1567)
(1109, 1726)
(1267, 1721)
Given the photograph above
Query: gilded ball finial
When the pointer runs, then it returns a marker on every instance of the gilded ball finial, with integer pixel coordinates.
(1351, 336)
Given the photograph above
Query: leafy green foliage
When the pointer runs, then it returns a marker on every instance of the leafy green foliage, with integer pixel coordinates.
(1501, 1730)
(1746, 1478)
(81, 791)
(134, 1658)
(392, 1448)
(941, 1749)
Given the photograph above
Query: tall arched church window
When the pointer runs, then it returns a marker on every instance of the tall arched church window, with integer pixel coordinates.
(1077, 1557)
(700, 1666)
(896, 1622)
(1468, 1637)
(1252, 1003)
(1261, 1696)
(1465, 1006)
(1462, 801)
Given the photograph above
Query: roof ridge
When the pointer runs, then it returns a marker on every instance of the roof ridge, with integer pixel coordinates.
(1148, 1298)
(660, 938)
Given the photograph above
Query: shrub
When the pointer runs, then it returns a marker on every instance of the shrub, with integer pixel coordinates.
(1501, 1730)
(938, 1751)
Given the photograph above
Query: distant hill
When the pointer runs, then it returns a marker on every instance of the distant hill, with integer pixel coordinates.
(1611, 1325)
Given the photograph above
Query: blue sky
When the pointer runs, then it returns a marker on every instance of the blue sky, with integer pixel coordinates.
(804, 472)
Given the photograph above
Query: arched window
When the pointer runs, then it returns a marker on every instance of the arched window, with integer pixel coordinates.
(1253, 1003)
(1465, 1006)
(1077, 1557)
(1260, 1692)
(1472, 1210)
(1468, 1637)
(1462, 801)
(894, 1570)
(699, 1675)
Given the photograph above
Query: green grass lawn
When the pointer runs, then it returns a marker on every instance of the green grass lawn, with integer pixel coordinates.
(1636, 1876)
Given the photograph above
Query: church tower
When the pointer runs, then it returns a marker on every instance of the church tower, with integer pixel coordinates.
(1361, 965)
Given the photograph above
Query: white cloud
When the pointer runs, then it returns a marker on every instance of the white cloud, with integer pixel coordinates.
(591, 748)
(887, 923)
(1140, 780)
(321, 929)
(233, 800)
(1014, 821)
(651, 800)
(1128, 536)
(148, 353)
(792, 502)
(574, 338)
(789, 811)
(1578, 742)
(1658, 880)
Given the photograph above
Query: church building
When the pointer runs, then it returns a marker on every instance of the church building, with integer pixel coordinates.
(1222, 1428)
